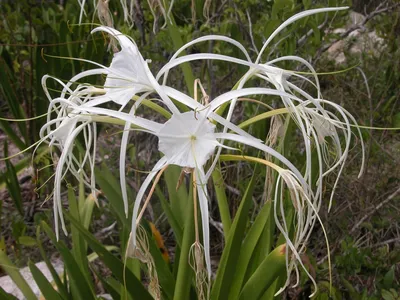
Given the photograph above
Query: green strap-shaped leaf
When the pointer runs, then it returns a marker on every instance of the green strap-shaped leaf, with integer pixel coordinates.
(80, 286)
(178, 198)
(247, 249)
(219, 186)
(165, 277)
(111, 286)
(12, 182)
(16, 276)
(44, 285)
(176, 227)
(269, 270)
(78, 243)
(112, 191)
(185, 273)
(60, 286)
(6, 296)
(227, 267)
(133, 285)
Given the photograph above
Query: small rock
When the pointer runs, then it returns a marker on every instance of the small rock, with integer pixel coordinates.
(10, 287)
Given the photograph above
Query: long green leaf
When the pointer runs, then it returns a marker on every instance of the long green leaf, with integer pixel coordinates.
(12, 135)
(227, 267)
(176, 227)
(60, 286)
(271, 268)
(185, 273)
(177, 198)
(44, 285)
(247, 249)
(219, 186)
(78, 243)
(165, 277)
(16, 277)
(177, 41)
(80, 285)
(8, 89)
(113, 289)
(112, 191)
(134, 286)
(6, 296)
(12, 183)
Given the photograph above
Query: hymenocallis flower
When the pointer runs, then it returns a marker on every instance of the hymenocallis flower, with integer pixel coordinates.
(187, 139)
(195, 139)
(77, 111)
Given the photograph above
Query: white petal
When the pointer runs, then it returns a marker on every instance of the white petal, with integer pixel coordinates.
(294, 19)
(128, 72)
(59, 175)
(259, 145)
(187, 140)
(203, 203)
(228, 96)
(190, 102)
(159, 165)
(203, 39)
(138, 121)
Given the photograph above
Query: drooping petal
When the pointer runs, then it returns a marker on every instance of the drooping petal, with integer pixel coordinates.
(292, 20)
(138, 121)
(159, 165)
(58, 176)
(254, 143)
(199, 40)
(122, 156)
(201, 184)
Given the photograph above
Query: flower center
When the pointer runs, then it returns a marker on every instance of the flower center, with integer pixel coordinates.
(187, 139)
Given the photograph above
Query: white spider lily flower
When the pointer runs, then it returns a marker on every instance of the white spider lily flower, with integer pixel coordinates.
(128, 73)
(189, 139)
(127, 76)
(61, 133)
(318, 126)
(76, 113)
(189, 135)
